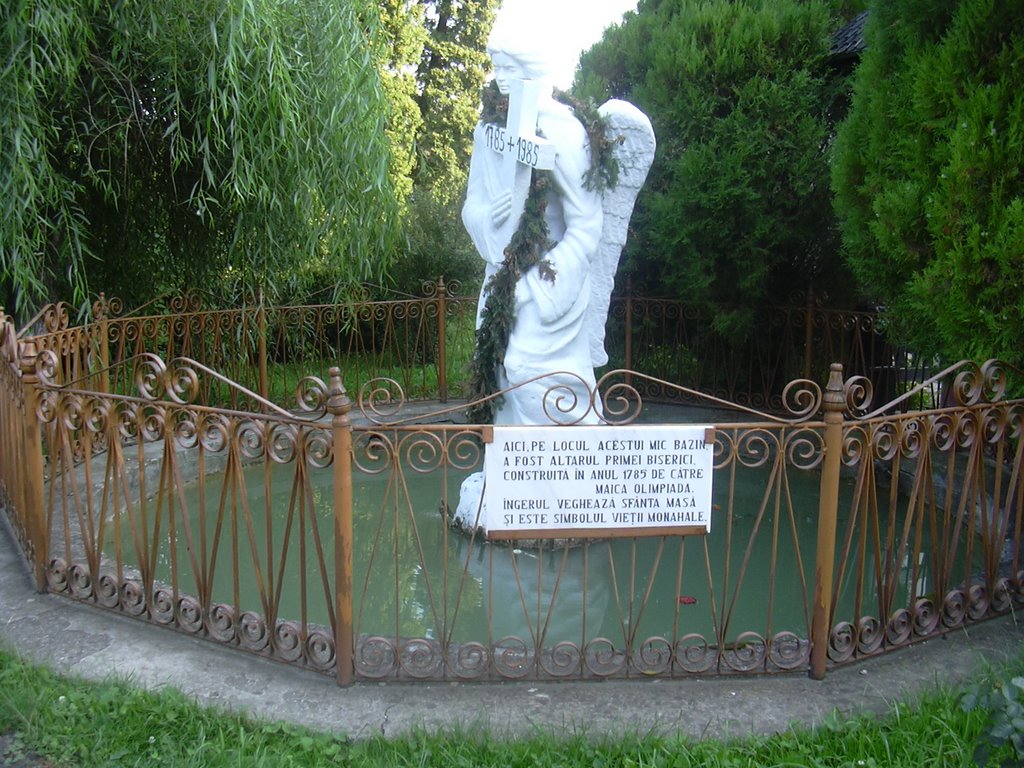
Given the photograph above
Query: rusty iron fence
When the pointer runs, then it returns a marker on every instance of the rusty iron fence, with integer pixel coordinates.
(266, 350)
(425, 344)
(675, 342)
(141, 477)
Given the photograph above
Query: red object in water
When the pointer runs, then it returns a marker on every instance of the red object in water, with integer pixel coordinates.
(687, 600)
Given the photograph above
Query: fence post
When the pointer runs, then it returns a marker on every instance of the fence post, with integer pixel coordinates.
(10, 420)
(104, 328)
(261, 331)
(339, 406)
(442, 356)
(34, 514)
(828, 507)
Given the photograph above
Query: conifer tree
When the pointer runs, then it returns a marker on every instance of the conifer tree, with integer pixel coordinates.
(736, 211)
(404, 35)
(928, 173)
(450, 75)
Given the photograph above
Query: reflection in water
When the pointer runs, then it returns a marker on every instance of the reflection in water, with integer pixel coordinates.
(545, 594)
(415, 577)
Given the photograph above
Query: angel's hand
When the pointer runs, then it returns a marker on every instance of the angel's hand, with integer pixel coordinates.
(501, 208)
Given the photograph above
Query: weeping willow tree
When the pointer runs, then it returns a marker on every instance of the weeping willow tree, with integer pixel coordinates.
(158, 146)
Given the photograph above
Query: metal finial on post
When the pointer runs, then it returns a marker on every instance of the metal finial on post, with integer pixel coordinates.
(28, 356)
(834, 403)
(338, 402)
(339, 405)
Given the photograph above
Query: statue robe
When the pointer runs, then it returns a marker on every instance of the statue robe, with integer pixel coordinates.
(550, 334)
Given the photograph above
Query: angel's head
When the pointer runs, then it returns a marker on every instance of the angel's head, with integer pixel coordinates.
(516, 49)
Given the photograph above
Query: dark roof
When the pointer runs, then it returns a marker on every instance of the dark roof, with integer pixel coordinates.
(848, 41)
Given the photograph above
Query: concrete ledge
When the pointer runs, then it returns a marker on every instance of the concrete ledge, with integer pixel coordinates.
(90, 643)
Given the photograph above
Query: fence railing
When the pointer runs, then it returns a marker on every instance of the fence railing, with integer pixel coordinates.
(676, 342)
(426, 344)
(318, 532)
(268, 350)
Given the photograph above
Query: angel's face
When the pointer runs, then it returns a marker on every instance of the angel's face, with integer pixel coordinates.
(506, 69)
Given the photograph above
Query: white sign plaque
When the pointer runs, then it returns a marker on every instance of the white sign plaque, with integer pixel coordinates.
(594, 481)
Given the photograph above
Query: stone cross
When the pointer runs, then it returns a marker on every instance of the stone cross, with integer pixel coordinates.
(521, 149)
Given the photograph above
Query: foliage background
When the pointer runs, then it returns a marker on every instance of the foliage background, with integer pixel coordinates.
(445, 77)
(149, 147)
(736, 212)
(927, 175)
(286, 150)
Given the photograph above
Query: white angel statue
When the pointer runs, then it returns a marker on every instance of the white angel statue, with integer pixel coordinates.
(556, 337)
(554, 309)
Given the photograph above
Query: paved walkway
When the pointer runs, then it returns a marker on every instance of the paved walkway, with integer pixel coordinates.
(90, 643)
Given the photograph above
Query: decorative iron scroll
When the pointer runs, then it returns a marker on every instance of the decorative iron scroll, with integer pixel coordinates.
(955, 477)
(971, 385)
(909, 436)
(378, 452)
(105, 309)
(923, 620)
(310, 646)
(168, 405)
(180, 382)
(801, 398)
(560, 401)
(382, 401)
(56, 317)
(513, 658)
(255, 437)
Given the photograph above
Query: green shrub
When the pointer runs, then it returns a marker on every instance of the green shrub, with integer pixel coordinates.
(438, 246)
(1003, 703)
(927, 173)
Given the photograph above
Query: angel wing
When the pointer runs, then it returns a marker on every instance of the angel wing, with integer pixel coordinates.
(634, 145)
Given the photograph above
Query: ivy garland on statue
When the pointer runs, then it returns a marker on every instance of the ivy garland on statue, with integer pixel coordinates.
(527, 247)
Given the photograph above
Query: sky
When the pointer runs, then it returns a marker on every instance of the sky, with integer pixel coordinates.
(573, 26)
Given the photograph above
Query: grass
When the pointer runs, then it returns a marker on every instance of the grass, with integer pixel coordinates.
(400, 359)
(75, 723)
